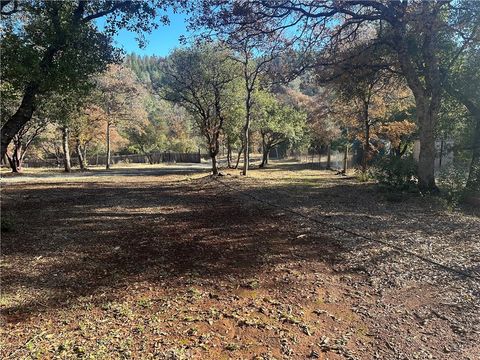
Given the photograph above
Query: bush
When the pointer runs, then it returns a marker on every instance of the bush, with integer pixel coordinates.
(452, 181)
(396, 173)
(364, 176)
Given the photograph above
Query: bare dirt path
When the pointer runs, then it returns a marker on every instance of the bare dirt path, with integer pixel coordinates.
(175, 266)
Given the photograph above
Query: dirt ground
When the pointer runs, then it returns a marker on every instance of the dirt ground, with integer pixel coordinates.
(168, 263)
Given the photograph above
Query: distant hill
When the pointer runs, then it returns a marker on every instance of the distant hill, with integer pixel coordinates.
(147, 68)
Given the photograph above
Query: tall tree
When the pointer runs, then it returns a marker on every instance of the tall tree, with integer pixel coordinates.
(232, 130)
(277, 123)
(254, 51)
(252, 68)
(87, 129)
(122, 99)
(50, 45)
(371, 95)
(323, 118)
(201, 79)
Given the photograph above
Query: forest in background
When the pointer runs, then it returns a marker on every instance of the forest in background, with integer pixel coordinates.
(384, 77)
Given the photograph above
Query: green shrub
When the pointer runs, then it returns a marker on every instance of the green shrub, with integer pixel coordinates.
(451, 181)
(396, 173)
(364, 176)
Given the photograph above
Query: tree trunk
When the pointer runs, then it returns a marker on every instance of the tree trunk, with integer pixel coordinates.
(264, 150)
(214, 149)
(426, 161)
(229, 154)
(213, 155)
(329, 156)
(16, 159)
(12, 163)
(345, 160)
(107, 166)
(366, 144)
(426, 88)
(265, 157)
(238, 157)
(246, 150)
(20, 118)
(66, 150)
(246, 132)
(19, 156)
(58, 156)
(149, 158)
(473, 181)
(366, 148)
(81, 158)
(85, 154)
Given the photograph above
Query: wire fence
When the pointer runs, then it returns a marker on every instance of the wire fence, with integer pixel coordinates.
(157, 157)
(321, 159)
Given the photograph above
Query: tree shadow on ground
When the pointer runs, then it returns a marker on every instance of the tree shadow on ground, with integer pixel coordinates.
(78, 240)
(412, 223)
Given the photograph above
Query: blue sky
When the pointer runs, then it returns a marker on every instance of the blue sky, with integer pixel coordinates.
(159, 42)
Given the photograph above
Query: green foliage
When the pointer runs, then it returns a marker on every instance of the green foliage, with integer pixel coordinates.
(48, 49)
(55, 47)
(451, 181)
(364, 176)
(235, 117)
(168, 127)
(277, 122)
(397, 173)
(202, 80)
(10, 101)
(193, 76)
(147, 68)
(148, 139)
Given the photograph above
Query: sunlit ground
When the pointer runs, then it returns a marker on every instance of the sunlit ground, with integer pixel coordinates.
(162, 261)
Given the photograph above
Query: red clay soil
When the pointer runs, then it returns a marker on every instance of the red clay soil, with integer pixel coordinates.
(166, 269)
